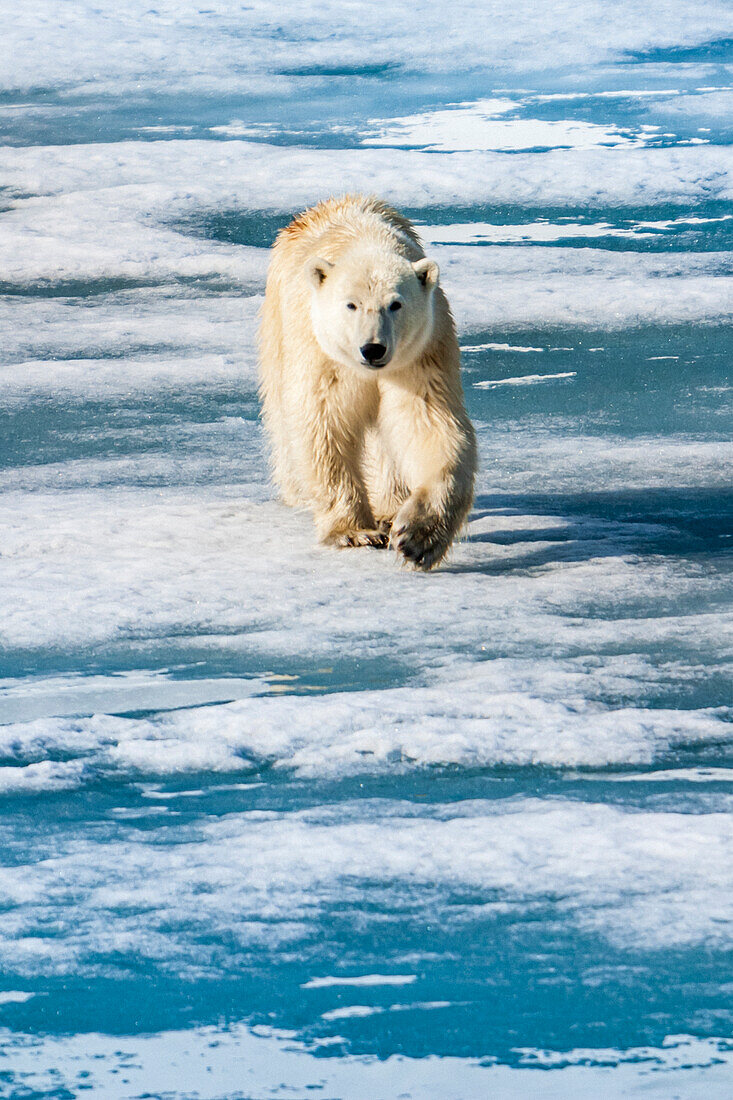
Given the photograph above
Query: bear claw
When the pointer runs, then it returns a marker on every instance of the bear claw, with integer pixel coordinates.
(346, 539)
(421, 549)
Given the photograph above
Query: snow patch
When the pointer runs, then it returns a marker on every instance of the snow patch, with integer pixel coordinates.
(523, 380)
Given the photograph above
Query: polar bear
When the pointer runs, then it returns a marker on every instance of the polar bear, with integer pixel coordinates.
(360, 382)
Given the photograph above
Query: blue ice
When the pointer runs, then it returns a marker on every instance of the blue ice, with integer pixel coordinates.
(280, 820)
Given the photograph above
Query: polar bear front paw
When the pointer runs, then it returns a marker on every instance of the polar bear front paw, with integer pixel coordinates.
(421, 540)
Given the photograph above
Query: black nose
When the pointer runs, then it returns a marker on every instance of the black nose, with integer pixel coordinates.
(373, 352)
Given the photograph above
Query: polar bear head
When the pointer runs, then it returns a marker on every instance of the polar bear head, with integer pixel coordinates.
(372, 309)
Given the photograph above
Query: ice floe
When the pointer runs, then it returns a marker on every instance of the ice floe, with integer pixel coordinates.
(414, 811)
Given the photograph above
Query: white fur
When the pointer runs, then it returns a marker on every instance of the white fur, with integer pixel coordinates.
(380, 450)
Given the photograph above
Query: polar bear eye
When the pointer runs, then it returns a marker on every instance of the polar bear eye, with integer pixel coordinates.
(395, 306)
(350, 305)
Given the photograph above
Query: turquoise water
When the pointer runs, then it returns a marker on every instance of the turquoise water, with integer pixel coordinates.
(280, 821)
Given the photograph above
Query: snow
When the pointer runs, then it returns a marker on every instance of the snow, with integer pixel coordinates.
(360, 980)
(496, 713)
(215, 1062)
(635, 879)
(476, 126)
(178, 46)
(310, 801)
(523, 380)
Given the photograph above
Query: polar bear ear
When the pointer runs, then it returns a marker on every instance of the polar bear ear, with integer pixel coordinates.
(317, 270)
(427, 272)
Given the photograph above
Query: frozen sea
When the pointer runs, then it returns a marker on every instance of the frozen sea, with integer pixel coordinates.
(283, 822)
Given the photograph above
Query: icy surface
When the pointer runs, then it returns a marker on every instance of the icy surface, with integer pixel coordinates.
(281, 820)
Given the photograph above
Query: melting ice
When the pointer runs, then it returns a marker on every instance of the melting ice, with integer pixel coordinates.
(279, 818)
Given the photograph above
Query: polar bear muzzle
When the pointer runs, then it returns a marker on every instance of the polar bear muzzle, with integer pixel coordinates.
(374, 354)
